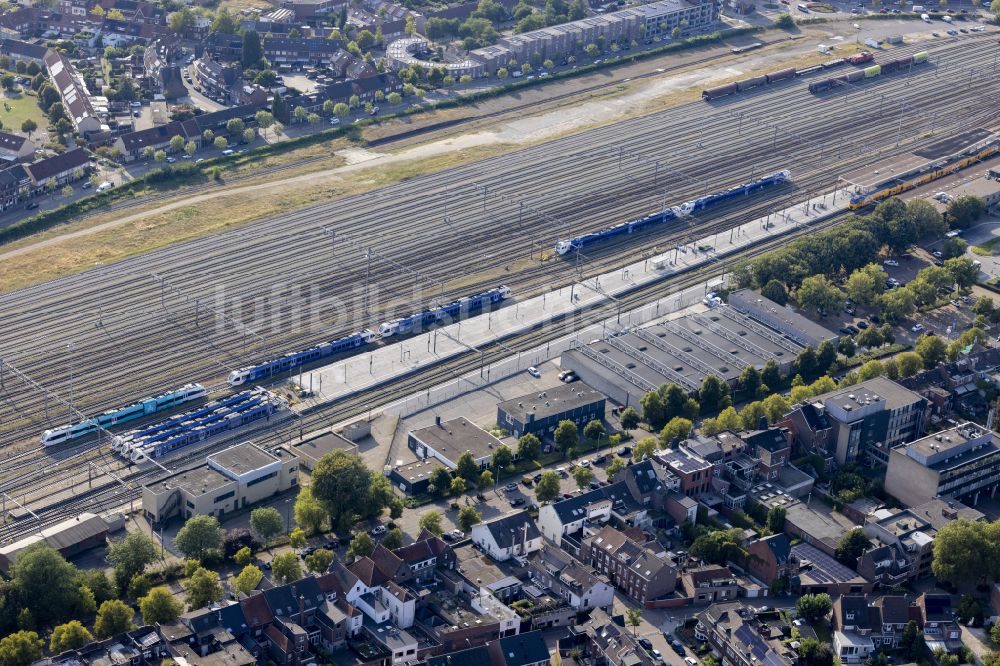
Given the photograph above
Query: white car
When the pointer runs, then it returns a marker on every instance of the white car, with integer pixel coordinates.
(457, 534)
(891, 262)
(917, 328)
(690, 661)
(585, 463)
(334, 121)
(533, 371)
(377, 530)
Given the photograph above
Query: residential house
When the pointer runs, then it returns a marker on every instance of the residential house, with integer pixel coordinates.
(596, 507)
(527, 649)
(733, 631)
(819, 573)
(16, 148)
(603, 641)
(695, 473)
(15, 49)
(770, 559)
(218, 79)
(937, 619)
(14, 184)
(863, 627)
(73, 92)
(514, 535)
(576, 584)
(772, 449)
(425, 555)
(637, 572)
(63, 168)
(709, 584)
(300, 50)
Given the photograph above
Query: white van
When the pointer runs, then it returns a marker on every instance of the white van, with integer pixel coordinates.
(105, 186)
(926, 18)
(918, 8)
(802, 8)
(946, 18)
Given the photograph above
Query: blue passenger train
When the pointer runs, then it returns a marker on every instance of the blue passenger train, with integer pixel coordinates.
(112, 417)
(676, 212)
(295, 359)
(452, 311)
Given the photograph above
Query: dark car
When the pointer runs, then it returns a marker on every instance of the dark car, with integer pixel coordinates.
(600, 460)
(876, 319)
(447, 537)
(644, 642)
(536, 478)
(678, 647)
(624, 451)
(862, 324)
(330, 545)
(844, 330)
(517, 501)
(852, 329)
(31, 206)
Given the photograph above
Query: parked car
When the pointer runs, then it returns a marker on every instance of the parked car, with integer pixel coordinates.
(657, 654)
(891, 262)
(457, 534)
(517, 501)
(377, 530)
(678, 647)
(644, 642)
(862, 324)
(31, 205)
(510, 487)
(917, 328)
(624, 451)
(533, 371)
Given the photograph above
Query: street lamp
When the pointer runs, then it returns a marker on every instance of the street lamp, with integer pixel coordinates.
(288, 519)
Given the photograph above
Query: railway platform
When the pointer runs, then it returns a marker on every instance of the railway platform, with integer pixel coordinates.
(391, 361)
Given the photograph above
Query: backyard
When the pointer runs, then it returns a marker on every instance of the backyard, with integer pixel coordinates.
(18, 107)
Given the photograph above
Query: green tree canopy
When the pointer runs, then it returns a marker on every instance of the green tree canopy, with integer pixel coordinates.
(267, 522)
(69, 636)
(529, 447)
(467, 517)
(199, 537)
(467, 467)
(319, 560)
(203, 586)
(20, 648)
(813, 607)
(362, 545)
(113, 617)
(49, 586)
(159, 605)
(851, 546)
(431, 521)
(547, 488)
(583, 476)
(566, 436)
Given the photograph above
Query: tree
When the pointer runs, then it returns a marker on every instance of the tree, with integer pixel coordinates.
(29, 126)
(190, 148)
(995, 9)
(633, 618)
(252, 52)
(547, 488)
(714, 394)
(130, 556)
(266, 521)
(654, 409)
(319, 560)
(99, 585)
(203, 587)
(583, 476)
(308, 512)
(48, 585)
(502, 458)
(410, 26)
(776, 291)
(814, 653)
(750, 381)
(113, 617)
(343, 485)
(220, 142)
(200, 536)
(285, 567)
(911, 643)
(249, 134)
(243, 556)
(931, 349)
(440, 479)
(177, 143)
(866, 284)
(953, 247)
(69, 636)
(138, 587)
(159, 605)
(297, 539)
(775, 520)
(264, 120)
(925, 218)
(431, 521)
(592, 50)
(394, 98)
(362, 545)
(966, 552)
(644, 448)
(629, 418)
(870, 370)
(467, 517)
(617, 465)
(677, 428)
(969, 610)
(20, 649)
(963, 271)
(897, 304)
(565, 436)
(594, 430)
(467, 467)
(247, 580)
(964, 210)
(457, 487)
(813, 607)
(529, 447)
(502, 73)
(354, 101)
(817, 293)
(393, 539)
(851, 546)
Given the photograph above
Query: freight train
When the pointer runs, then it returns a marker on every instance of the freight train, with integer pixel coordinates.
(676, 212)
(137, 409)
(868, 73)
(926, 173)
(208, 421)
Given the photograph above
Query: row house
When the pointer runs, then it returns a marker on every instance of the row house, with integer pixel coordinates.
(300, 50)
(636, 571)
(578, 585)
(863, 627)
(709, 584)
(218, 79)
(734, 632)
(603, 641)
(937, 620)
(770, 559)
(15, 49)
(75, 97)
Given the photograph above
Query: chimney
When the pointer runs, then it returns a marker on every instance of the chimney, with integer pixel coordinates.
(302, 610)
(437, 420)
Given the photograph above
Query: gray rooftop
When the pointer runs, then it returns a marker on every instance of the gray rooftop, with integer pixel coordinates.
(453, 438)
(895, 396)
(243, 458)
(197, 481)
(742, 299)
(556, 400)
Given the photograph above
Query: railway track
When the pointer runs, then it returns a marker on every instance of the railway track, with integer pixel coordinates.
(156, 338)
(111, 494)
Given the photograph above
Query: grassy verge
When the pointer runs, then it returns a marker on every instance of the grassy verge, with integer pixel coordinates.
(882, 352)
(988, 249)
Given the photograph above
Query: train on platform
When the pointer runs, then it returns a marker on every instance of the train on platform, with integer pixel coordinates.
(112, 417)
(415, 322)
(868, 72)
(673, 213)
(926, 173)
(209, 420)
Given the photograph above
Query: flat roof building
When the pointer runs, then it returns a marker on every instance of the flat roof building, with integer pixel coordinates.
(868, 419)
(960, 463)
(69, 537)
(448, 440)
(540, 413)
(781, 318)
(683, 351)
(229, 480)
(311, 450)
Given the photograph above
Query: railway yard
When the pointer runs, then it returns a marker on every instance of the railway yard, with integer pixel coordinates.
(197, 311)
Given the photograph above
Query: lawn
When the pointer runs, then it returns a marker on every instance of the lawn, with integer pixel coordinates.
(987, 249)
(21, 107)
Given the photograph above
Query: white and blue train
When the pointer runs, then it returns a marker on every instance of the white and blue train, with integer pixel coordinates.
(295, 359)
(112, 417)
(451, 311)
(196, 426)
(673, 213)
